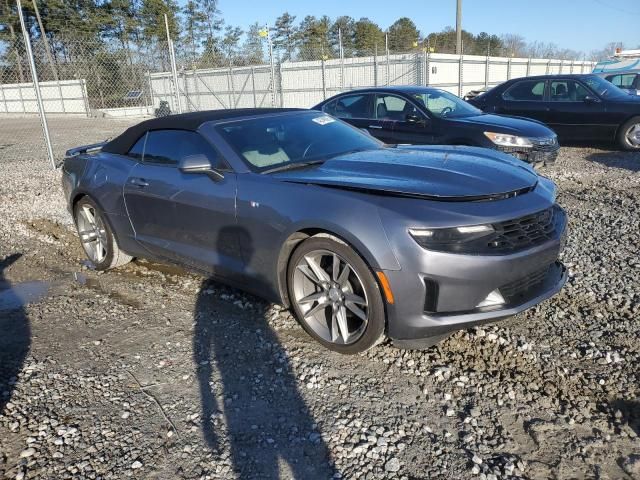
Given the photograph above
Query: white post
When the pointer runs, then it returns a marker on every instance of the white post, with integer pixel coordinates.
(386, 47)
(460, 75)
(36, 87)
(273, 69)
(341, 59)
(174, 70)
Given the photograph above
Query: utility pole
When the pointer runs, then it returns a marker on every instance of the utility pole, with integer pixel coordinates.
(459, 27)
(47, 48)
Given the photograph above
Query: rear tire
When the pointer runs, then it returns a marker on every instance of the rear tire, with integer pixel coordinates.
(629, 135)
(335, 296)
(98, 241)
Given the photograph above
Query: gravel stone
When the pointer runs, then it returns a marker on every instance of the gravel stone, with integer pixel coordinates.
(152, 371)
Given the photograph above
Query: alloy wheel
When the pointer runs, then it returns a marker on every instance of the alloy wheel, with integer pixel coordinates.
(93, 234)
(331, 297)
(633, 135)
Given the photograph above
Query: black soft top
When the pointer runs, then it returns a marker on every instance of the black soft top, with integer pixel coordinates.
(183, 121)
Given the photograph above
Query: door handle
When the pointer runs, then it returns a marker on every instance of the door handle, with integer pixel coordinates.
(139, 182)
(377, 127)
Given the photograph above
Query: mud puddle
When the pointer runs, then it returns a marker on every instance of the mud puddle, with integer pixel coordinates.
(16, 295)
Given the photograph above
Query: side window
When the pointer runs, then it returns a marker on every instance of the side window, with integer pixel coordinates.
(568, 91)
(526, 91)
(138, 149)
(330, 108)
(349, 106)
(390, 107)
(168, 147)
(622, 81)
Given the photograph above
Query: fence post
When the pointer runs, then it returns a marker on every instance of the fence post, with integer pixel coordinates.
(230, 90)
(427, 66)
(24, 107)
(341, 59)
(509, 69)
(186, 89)
(4, 100)
(386, 47)
(85, 98)
(324, 80)
(36, 87)
(174, 70)
(375, 66)
(273, 72)
(561, 66)
(64, 110)
(280, 84)
(150, 99)
(195, 85)
(460, 74)
(546, 72)
(253, 87)
(487, 64)
(528, 66)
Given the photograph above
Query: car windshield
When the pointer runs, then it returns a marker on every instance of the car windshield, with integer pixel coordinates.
(604, 88)
(443, 104)
(279, 140)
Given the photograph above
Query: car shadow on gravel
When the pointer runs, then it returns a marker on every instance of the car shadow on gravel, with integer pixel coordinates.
(251, 406)
(617, 159)
(15, 334)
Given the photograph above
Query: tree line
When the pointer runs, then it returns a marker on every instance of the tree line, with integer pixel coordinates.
(115, 44)
(200, 32)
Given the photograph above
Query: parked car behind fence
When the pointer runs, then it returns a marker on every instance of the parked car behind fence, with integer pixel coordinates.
(423, 115)
(576, 107)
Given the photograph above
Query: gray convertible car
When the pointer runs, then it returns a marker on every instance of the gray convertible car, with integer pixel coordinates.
(360, 239)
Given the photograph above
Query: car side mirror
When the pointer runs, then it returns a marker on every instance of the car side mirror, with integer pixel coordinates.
(590, 99)
(414, 119)
(199, 164)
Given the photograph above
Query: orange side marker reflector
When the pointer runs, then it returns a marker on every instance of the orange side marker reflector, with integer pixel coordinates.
(386, 288)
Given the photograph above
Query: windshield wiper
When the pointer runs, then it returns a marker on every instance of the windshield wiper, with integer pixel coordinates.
(292, 166)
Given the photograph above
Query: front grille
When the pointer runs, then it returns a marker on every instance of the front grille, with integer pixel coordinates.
(527, 231)
(516, 291)
(539, 153)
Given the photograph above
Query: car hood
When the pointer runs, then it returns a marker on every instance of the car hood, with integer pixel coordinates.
(438, 173)
(506, 124)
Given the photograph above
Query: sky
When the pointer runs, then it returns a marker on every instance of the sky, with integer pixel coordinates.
(582, 25)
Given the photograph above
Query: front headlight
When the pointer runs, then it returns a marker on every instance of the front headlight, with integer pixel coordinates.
(449, 239)
(506, 140)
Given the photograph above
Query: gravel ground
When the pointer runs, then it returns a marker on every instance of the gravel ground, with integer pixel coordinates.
(152, 372)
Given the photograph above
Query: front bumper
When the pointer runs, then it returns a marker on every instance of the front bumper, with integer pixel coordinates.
(460, 283)
(536, 155)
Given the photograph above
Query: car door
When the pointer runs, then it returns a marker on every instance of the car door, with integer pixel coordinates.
(575, 112)
(184, 217)
(524, 98)
(398, 120)
(353, 108)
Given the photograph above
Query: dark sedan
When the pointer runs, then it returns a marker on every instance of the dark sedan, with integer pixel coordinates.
(360, 239)
(422, 115)
(578, 107)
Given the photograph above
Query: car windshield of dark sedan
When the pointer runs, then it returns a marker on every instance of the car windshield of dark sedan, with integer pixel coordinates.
(604, 88)
(279, 140)
(443, 104)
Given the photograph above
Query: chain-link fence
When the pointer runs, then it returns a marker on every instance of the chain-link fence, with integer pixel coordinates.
(92, 88)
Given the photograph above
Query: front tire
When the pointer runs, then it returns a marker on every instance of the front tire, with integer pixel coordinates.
(335, 296)
(98, 241)
(629, 135)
